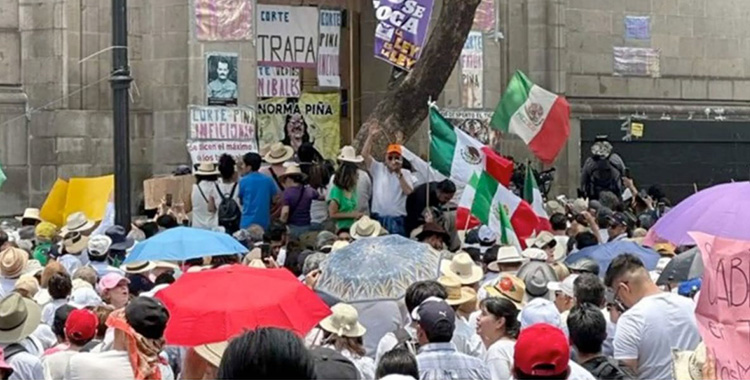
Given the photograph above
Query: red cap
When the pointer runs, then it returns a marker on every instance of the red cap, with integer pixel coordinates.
(542, 350)
(394, 148)
(81, 325)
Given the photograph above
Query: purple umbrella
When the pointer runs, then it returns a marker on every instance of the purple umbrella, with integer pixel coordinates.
(722, 210)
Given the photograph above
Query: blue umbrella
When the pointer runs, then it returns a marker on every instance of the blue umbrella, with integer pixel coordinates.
(374, 269)
(184, 243)
(605, 253)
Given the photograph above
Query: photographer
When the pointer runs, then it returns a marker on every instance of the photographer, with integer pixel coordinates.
(603, 171)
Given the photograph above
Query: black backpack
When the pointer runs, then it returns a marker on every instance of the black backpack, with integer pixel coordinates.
(611, 369)
(605, 177)
(229, 211)
(13, 350)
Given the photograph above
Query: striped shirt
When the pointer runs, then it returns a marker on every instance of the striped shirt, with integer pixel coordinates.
(441, 361)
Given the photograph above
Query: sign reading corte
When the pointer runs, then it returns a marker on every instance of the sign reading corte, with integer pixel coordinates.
(287, 36)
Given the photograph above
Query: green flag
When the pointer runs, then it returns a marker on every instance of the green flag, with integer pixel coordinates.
(2, 176)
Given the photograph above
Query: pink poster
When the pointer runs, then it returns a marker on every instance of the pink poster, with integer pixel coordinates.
(723, 310)
(484, 18)
(223, 20)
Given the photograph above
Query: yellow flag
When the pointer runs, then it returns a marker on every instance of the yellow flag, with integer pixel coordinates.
(53, 209)
(89, 195)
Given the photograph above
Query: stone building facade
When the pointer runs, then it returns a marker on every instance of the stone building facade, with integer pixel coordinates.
(55, 58)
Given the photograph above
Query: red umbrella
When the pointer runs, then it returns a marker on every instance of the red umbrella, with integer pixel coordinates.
(216, 305)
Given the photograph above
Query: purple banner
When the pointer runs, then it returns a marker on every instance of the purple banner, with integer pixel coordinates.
(401, 30)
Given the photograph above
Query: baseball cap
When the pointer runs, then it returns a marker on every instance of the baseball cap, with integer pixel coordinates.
(542, 350)
(540, 310)
(111, 280)
(99, 245)
(565, 286)
(81, 325)
(147, 316)
(393, 148)
(84, 297)
(435, 316)
(619, 219)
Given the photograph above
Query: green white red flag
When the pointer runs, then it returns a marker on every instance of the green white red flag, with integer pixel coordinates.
(533, 195)
(539, 117)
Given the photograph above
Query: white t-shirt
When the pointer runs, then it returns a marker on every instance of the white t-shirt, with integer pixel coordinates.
(55, 365)
(112, 365)
(466, 339)
(576, 373)
(388, 199)
(651, 329)
(26, 366)
(364, 364)
(499, 358)
(201, 217)
(6, 286)
(48, 311)
(319, 208)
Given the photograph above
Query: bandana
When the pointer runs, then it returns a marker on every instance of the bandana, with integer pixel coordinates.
(143, 352)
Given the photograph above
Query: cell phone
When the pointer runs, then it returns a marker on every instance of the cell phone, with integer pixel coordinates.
(169, 200)
(265, 251)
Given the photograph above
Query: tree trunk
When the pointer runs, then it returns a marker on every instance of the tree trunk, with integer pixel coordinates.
(405, 106)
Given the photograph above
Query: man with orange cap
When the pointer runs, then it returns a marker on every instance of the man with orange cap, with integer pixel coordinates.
(391, 184)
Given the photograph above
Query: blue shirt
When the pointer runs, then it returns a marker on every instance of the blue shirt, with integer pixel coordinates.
(441, 361)
(256, 193)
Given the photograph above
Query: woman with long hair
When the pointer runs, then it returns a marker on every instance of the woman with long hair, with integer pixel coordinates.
(498, 327)
(318, 172)
(343, 198)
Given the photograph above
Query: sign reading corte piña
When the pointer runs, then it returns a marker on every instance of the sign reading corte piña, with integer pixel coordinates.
(218, 130)
(287, 36)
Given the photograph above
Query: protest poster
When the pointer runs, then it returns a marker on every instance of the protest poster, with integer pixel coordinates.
(89, 195)
(287, 36)
(475, 123)
(484, 18)
(472, 71)
(313, 118)
(723, 310)
(53, 208)
(221, 79)
(328, 51)
(211, 150)
(222, 123)
(223, 20)
(637, 27)
(180, 188)
(401, 30)
(630, 61)
(283, 82)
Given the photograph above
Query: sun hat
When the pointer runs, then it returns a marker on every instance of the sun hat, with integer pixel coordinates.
(33, 267)
(165, 265)
(79, 283)
(435, 316)
(344, 321)
(535, 276)
(534, 254)
(28, 284)
(120, 239)
(278, 153)
(505, 255)
(84, 297)
(30, 213)
(542, 350)
(585, 265)
(256, 263)
(463, 268)
(394, 148)
(540, 310)
(456, 294)
(365, 228)
(111, 280)
(206, 168)
(541, 240)
(19, 317)
(212, 352)
(429, 229)
(554, 207)
(13, 262)
(293, 169)
(75, 242)
(81, 325)
(325, 239)
(486, 236)
(99, 245)
(688, 365)
(338, 244)
(77, 222)
(147, 316)
(136, 267)
(45, 230)
(564, 286)
(331, 365)
(509, 287)
(348, 154)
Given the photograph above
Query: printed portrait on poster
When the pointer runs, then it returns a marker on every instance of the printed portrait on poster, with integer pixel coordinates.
(221, 79)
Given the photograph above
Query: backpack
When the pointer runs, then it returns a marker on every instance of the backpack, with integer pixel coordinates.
(605, 177)
(611, 369)
(229, 211)
(13, 350)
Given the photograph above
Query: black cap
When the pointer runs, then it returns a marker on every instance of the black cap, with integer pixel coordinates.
(435, 317)
(618, 219)
(147, 316)
(330, 364)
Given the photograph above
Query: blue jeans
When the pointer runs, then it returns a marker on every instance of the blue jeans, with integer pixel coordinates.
(394, 224)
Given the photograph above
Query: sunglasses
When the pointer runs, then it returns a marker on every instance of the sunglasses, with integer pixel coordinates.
(394, 158)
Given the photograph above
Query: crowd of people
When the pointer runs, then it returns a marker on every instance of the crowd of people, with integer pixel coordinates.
(71, 309)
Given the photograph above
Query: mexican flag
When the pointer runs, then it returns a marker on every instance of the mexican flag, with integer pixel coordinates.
(533, 195)
(456, 155)
(2, 177)
(485, 201)
(539, 117)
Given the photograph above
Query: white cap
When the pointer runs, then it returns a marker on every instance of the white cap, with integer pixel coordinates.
(535, 254)
(84, 297)
(99, 245)
(486, 235)
(541, 310)
(566, 286)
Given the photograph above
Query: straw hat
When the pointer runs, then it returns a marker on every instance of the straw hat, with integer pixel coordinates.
(688, 365)
(13, 262)
(75, 242)
(509, 287)
(278, 153)
(30, 213)
(138, 267)
(77, 222)
(33, 267)
(212, 352)
(165, 265)
(365, 228)
(45, 230)
(534, 254)
(456, 294)
(348, 154)
(19, 317)
(206, 168)
(28, 284)
(343, 322)
(463, 268)
(293, 169)
(338, 244)
(505, 255)
(256, 263)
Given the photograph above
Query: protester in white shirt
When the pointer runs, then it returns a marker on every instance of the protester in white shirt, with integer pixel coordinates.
(464, 336)
(59, 287)
(204, 197)
(589, 288)
(498, 328)
(14, 309)
(391, 185)
(654, 324)
(80, 328)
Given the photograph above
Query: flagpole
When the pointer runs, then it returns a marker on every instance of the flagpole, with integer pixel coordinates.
(430, 103)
